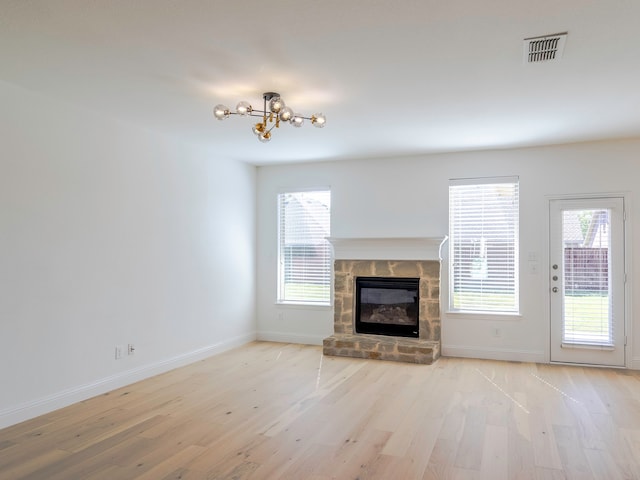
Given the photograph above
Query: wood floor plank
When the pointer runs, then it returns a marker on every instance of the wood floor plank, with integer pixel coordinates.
(441, 460)
(469, 453)
(313, 462)
(521, 457)
(172, 463)
(24, 468)
(545, 448)
(495, 453)
(283, 411)
(572, 454)
(355, 458)
(603, 466)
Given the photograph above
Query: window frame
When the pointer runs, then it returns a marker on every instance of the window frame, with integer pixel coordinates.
(281, 297)
(484, 306)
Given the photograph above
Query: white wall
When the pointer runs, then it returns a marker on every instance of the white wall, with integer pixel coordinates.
(398, 197)
(112, 235)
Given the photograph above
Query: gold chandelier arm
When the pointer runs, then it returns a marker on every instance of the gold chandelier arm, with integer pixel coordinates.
(275, 125)
(254, 113)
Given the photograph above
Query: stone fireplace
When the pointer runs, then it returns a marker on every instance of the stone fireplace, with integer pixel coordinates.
(386, 258)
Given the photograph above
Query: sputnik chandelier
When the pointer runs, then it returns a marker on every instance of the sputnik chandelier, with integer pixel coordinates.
(271, 118)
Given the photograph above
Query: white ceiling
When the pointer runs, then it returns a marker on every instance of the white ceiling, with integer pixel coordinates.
(394, 77)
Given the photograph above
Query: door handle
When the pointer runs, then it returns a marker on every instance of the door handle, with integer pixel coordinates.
(554, 289)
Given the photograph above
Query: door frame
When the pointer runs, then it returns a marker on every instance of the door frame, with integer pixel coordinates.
(628, 263)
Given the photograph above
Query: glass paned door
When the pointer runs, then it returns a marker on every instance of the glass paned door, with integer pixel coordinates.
(587, 281)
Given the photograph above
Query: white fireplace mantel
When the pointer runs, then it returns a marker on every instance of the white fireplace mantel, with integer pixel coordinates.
(387, 248)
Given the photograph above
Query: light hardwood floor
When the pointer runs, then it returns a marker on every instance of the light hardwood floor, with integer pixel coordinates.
(269, 410)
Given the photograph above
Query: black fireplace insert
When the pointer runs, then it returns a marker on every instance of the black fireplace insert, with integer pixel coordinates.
(387, 306)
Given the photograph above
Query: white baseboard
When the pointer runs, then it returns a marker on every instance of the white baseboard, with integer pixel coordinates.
(285, 337)
(47, 404)
(510, 355)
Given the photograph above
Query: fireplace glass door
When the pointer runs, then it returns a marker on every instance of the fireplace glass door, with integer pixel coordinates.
(387, 306)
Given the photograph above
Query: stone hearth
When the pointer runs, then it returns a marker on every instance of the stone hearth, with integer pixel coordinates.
(345, 341)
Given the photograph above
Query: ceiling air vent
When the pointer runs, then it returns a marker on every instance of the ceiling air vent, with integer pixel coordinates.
(547, 48)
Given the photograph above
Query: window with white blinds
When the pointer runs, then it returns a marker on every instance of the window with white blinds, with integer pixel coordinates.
(304, 254)
(587, 305)
(484, 245)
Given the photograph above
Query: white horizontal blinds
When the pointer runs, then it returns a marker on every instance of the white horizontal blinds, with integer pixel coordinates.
(304, 253)
(483, 232)
(587, 316)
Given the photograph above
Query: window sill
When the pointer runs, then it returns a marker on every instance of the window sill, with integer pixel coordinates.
(588, 346)
(304, 306)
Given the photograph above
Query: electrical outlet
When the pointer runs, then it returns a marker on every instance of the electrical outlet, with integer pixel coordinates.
(131, 349)
(118, 352)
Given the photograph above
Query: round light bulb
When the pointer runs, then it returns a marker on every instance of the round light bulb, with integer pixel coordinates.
(286, 114)
(264, 137)
(318, 120)
(297, 120)
(258, 128)
(244, 108)
(276, 104)
(221, 112)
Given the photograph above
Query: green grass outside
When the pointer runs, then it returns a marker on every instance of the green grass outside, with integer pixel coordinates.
(491, 302)
(307, 292)
(587, 317)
